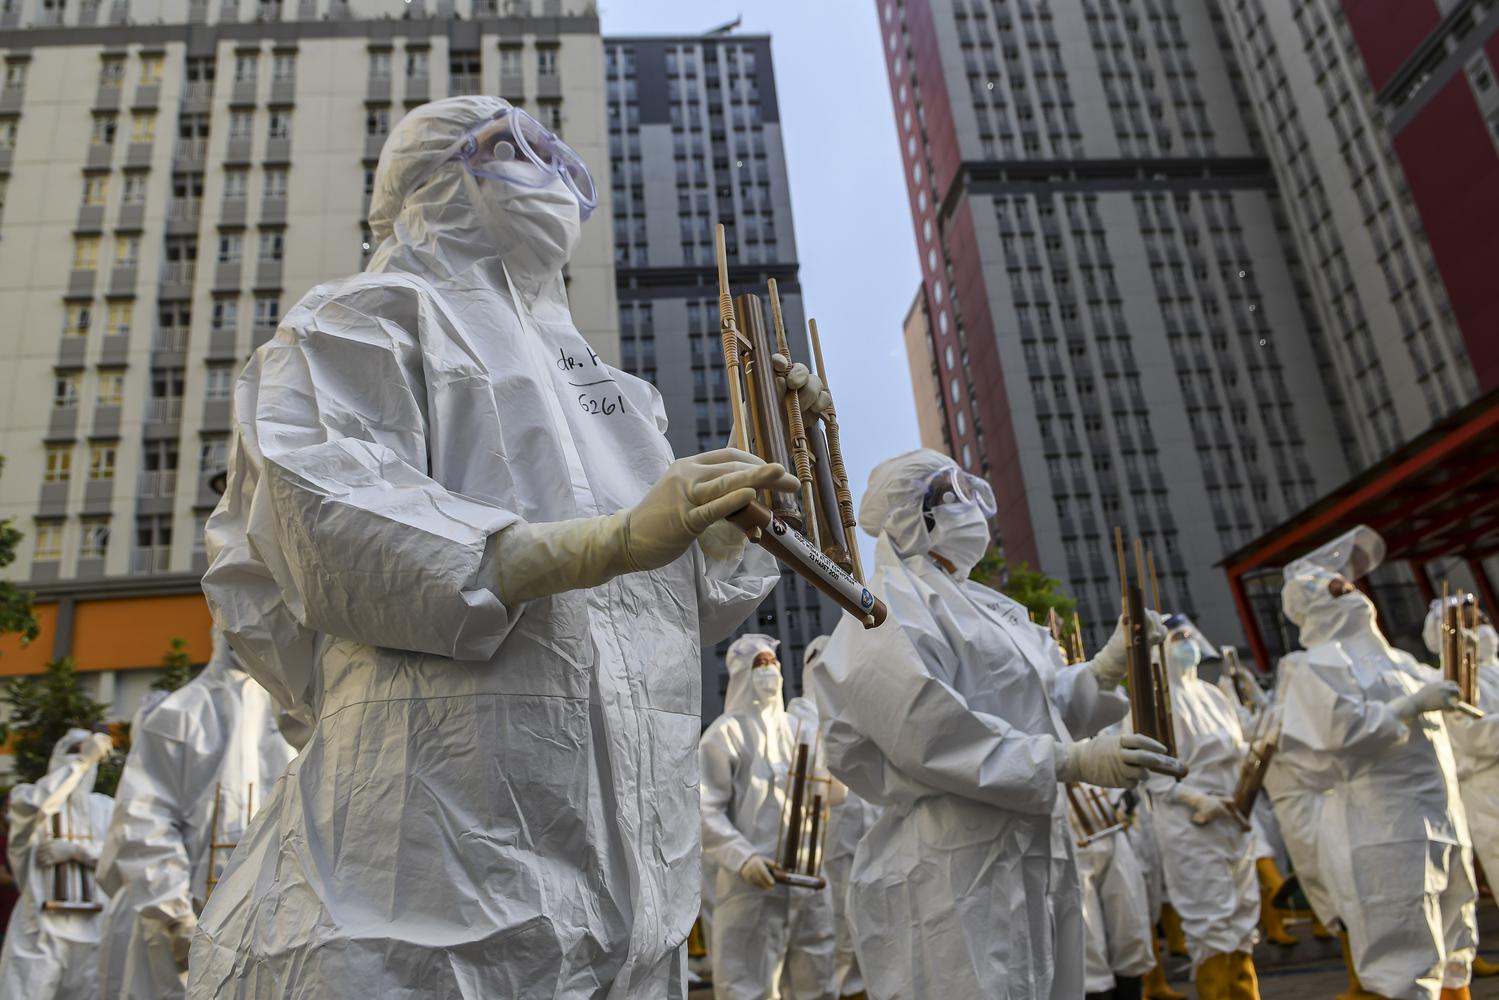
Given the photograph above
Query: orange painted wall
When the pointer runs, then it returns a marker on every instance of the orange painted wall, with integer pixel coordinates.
(138, 631)
(16, 659)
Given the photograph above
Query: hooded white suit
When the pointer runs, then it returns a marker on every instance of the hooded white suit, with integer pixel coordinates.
(53, 956)
(1393, 848)
(1209, 867)
(1475, 746)
(767, 943)
(1118, 920)
(494, 801)
(950, 717)
(211, 741)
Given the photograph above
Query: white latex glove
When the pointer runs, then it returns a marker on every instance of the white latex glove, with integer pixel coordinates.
(96, 748)
(1434, 697)
(1115, 761)
(808, 387)
(723, 542)
(1205, 808)
(51, 853)
(181, 934)
(756, 871)
(1110, 663)
(536, 560)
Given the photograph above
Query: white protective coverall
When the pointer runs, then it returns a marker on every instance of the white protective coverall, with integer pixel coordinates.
(1393, 849)
(1206, 855)
(495, 800)
(211, 746)
(767, 943)
(1475, 746)
(54, 956)
(851, 818)
(951, 717)
(1118, 921)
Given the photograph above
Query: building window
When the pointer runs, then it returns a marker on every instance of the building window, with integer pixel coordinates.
(225, 314)
(59, 463)
(77, 316)
(271, 246)
(236, 183)
(218, 381)
(246, 66)
(143, 128)
(15, 74)
(65, 390)
(267, 311)
(274, 188)
(510, 61)
(230, 248)
(379, 64)
(279, 126)
(111, 387)
(134, 192)
(377, 122)
(241, 125)
(111, 72)
(153, 543)
(101, 462)
(96, 190)
(546, 62)
(127, 251)
(151, 67)
(284, 67)
(104, 128)
(7, 133)
(95, 541)
(416, 64)
(85, 253)
(118, 321)
(48, 541)
(213, 453)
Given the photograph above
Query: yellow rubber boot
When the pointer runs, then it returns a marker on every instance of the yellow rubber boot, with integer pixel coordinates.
(1320, 931)
(1154, 985)
(1272, 922)
(1245, 984)
(1171, 923)
(1356, 989)
(1215, 978)
(1456, 993)
(1483, 969)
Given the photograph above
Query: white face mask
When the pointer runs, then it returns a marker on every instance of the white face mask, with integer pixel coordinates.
(960, 534)
(1488, 644)
(766, 682)
(534, 229)
(1185, 657)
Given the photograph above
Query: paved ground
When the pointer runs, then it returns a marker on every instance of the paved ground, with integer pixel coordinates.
(1313, 970)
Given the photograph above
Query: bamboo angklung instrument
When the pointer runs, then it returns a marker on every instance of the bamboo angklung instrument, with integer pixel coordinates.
(1093, 816)
(216, 843)
(803, 811)
(769, 423)
(1252, 774)
(72, 883)
(1459, 655)
(1149, 687)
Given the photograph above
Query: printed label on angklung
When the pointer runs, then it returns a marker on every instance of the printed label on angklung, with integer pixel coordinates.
(797, 543)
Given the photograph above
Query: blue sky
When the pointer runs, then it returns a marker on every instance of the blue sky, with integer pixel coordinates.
(859, 269)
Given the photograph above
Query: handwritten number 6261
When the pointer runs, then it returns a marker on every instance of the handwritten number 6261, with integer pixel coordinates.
(607, 406)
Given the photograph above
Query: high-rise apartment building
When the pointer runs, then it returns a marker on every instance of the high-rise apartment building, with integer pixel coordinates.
(1121, 328)
(694, 140)
(1398, 361)
(175, 174)
(1431, 67)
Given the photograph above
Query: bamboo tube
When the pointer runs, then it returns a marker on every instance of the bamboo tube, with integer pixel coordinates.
(801, 452)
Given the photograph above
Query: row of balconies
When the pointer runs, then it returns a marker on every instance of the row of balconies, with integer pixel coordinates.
(176, 278)
(188, 153)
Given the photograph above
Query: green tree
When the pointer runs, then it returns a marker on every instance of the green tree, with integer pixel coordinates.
(15, 605)
(1031, 587)
(178, 668)
(42, 710)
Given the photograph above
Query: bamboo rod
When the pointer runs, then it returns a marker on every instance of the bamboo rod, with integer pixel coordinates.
(835, 454)
(801, 452)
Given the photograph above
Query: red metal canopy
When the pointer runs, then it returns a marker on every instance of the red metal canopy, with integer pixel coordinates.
(1436, 497)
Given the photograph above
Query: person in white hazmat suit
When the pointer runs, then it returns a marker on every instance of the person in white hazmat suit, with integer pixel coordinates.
(1118, 924)
(958, 717)
(209, 754)
(456, 540)
(54, 955)
(1475, 746)
(1393, 848)
(1207, 855)
(851, 817)
(769, 940)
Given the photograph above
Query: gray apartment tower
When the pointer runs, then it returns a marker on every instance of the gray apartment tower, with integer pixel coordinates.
(694, 140)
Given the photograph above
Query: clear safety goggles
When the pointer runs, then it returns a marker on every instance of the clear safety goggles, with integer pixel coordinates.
(516, 148)
(955, 487)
